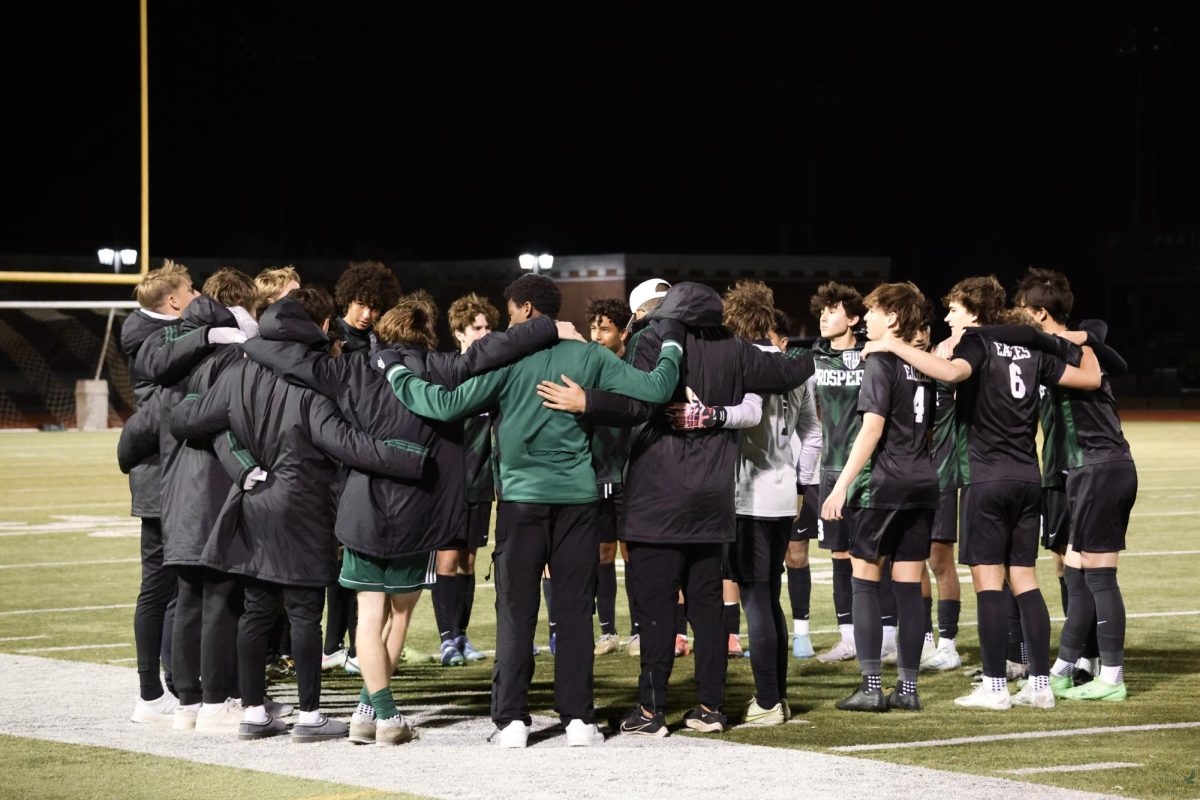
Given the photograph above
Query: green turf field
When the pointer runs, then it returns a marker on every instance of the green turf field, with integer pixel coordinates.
(69, 572)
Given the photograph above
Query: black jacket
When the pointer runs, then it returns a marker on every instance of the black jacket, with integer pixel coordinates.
(282, 530)
(679, 486)
(383, 517)
(137, 448)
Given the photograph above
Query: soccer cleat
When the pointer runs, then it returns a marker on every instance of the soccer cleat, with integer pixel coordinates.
(1059, 684)
(759, 717)
(802, 646)
(323, 730)
(1035, 698)
(394, 730)
(842, 651)
(333, 660)
(942, 659)
(607, 643)
(1014, 671)
(276, 709)
(185, 718)
(984, 697)
(635, 645)
(450, 655)
(583, 734)
(889, 654)
(221, 719)
(1097, 689)
(362, 729)
(635, 724)
(281, 668)
(864, 700)
(468, 650)
(735, 646)
(908, 701)
(1082, 676)
(682, 647)
(705, 721)
(261, 730)
(160, 710)
(512, 736)
(351, 665)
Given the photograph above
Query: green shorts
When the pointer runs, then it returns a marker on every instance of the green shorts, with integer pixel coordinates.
(402, 575)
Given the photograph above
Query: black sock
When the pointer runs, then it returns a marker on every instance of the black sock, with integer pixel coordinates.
(948, 613)
(1110, 614)
(992, 610)
(868, 631)
(799, 591)
(466, 595)
(927, 602)
(733, 618)
(912, 633)
(548, 593)
(1064, 590)
(444, 589)
(887, 598)
(1035, 621)
(1081, 616)
(606, 597)
(1016, 639)
(680, 619)
(843, 592)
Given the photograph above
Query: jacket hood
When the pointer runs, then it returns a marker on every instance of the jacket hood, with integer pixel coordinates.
(206, 312)
(137, 328)
(285, 320)
(693, 304)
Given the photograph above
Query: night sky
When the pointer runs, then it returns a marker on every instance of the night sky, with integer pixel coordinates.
(952, 144)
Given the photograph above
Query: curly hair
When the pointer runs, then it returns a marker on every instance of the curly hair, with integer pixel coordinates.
(616, 309)
(1048, 289)
(749, 309)
(982, 296)
(538, 290)
(412, 321)
(830, 294)
(231, 287)
(158, 284)
(904, 300)
(315, 301)
(368, 282)
(463, 311)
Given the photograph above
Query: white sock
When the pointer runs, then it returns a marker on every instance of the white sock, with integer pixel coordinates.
(889, 636)
(1113, 675)
(210, 708)
(800, 627)
(310, 717)
(194, 707)
(947, 644)
(1061, 668)
(929, 637)
(256, 714)
(847, 632)
(997, 684)
(1039, 682)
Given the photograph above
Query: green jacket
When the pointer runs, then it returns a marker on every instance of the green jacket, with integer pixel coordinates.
(544, 455)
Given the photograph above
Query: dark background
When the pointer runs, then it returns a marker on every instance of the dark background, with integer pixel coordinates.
(953, 144)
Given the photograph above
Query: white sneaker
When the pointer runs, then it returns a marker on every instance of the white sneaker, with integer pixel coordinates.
(333, 660)
(1037, 698)
(362, 729)
(927, 649)
(394, 730)
(607, 643)
(185, 718)
(635, 645)
(514, 735)
(945, 657)
(759, 717)
(221, 719)
(160, 710)
(842, 651)
(583, 734)
(984, 697)
(889, 654)
(351, 665)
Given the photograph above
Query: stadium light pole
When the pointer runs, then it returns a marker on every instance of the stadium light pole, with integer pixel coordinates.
(115, 259)
(536, 264)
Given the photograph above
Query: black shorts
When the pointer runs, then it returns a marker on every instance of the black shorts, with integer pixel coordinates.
(610, 511)
(474, 534)
(945, 517)
(805, 527)
(899, 533)
(756, 555)
(834, 535)
(998, 523)
(1101, 497)
(1056, 518)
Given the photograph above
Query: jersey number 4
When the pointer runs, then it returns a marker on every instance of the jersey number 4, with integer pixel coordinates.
(919, 405)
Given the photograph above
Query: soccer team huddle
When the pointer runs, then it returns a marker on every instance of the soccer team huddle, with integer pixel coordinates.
(294, 452)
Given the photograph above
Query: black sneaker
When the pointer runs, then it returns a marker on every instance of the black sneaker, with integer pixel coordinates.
(635, 724)
(864, 700)
(700, 719)
(904, 702)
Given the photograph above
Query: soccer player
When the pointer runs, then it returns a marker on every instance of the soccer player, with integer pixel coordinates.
(363, 292)
(273, 283)
(547, 509)
(889, 479)
(996, 415)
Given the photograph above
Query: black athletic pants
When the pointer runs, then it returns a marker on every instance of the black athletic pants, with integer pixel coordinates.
(156, 592)
(205, 635)
(528, 537)
(304, 606)
(656, 573)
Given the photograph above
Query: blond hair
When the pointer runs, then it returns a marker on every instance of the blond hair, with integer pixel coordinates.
(271, 281)
(158, 284)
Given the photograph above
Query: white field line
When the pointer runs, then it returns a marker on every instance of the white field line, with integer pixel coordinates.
(1070, 768)
(57, 506)
(1004, 737)
(73, 563)
(64, 610)
(23, 638)
(1145, 514)
(69, 648)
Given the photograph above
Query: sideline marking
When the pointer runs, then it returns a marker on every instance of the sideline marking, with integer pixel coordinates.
(24, 638)
(64, 610)
(66, 648)
(1070, 768)
(1004, 737)
(73, 563)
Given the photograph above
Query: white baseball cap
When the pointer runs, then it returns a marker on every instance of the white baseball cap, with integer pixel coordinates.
(645, 291)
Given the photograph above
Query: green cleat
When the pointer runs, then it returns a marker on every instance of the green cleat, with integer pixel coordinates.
(1097, 689)
(1059, 684)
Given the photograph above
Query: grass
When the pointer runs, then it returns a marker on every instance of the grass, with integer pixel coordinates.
(44, 477)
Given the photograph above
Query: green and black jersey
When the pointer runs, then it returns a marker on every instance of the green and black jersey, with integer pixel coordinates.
(942, 443)
(610, 451)
(1091, 429)
(477, 458)
(1051, 413)
(838, 374)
